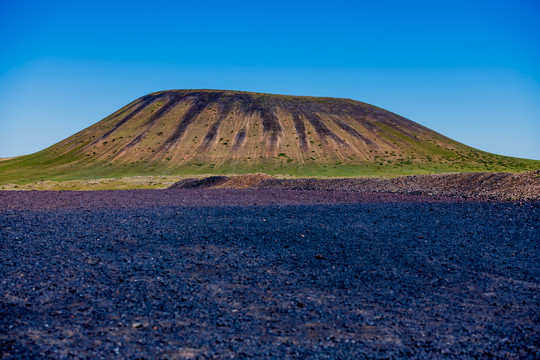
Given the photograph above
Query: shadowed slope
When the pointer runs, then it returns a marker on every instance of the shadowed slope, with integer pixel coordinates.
(210, 131)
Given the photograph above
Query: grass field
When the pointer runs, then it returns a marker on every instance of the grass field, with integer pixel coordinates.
(30, 174)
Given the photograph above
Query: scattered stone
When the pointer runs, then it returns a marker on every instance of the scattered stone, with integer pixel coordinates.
(498, 186)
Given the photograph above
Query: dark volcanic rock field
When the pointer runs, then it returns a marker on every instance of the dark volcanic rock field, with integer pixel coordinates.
(266, 274)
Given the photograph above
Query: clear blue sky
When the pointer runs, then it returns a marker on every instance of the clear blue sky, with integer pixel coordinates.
(467, 69)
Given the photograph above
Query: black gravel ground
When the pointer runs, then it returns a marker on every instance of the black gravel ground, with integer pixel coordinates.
(209, 274)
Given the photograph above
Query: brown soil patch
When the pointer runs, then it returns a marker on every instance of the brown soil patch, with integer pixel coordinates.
(244, 181)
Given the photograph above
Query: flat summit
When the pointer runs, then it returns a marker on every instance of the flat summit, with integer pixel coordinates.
(228, 127)
(213, 131)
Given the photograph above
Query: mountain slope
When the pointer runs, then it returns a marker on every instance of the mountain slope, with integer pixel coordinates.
(210, 131)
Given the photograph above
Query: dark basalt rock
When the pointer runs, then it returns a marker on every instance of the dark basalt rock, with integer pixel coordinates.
(210, 181)
(266, 274)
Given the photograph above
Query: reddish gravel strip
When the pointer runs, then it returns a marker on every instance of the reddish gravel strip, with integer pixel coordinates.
(496, 186)
(50, 200)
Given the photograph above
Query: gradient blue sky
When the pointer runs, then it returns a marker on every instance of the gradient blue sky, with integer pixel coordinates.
(467, 69)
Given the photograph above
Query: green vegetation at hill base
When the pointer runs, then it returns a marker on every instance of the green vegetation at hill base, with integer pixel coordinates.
(214, 132)
(41, 167)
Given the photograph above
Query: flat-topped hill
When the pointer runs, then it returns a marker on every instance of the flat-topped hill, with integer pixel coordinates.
(227, 132)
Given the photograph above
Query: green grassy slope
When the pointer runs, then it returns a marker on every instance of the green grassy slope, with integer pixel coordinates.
(184, 132)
